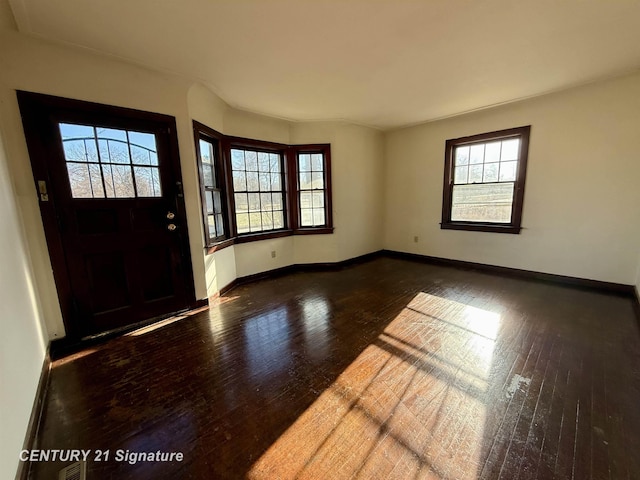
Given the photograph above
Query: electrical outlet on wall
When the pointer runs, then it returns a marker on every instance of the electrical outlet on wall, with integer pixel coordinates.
(273, 254)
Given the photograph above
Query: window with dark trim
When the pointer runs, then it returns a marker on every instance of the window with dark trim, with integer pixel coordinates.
(212, 191)
(254, 190)
(258, 189)
(484, 181)
(313, 186)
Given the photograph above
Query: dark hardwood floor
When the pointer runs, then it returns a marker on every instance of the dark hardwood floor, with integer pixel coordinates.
(387, 369)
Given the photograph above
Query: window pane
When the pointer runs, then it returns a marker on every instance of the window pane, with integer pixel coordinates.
(263, 162)
(490, 172)
(69, 130)
(510, 149)
(206, 152)
(251, 158)
(265, 201)
(274, 162)
(122, 181)
(208, 196)
(508, 171)
(318, 216)
(145, 184)
(217, 202)
(208, 176)
(140, 156)
(117, 152)
(254, 202)
(317, 163)
(219, 225)
(317, 180)
(305, 200)
(253, 185)
(267, 220)
(318, 199)
(144, 140)
(276, 198)
(265, 181)
(92, 150)
(79, 180)
(239, 181)
(242, 222)
(460, 174)
(278, 219)
(211, 223)
(276, 181)
(492, 152)
(112, 134)
(242, 202)
(108, 180)
(475, 173)
(237, 159)
(482, 203)
(74, 151)
(305, 181)
(306, 217)
(304, 162)
(255, 222)
(104, 151)
(477, 154)
(462, 156)
(155, 176)
(96, 180)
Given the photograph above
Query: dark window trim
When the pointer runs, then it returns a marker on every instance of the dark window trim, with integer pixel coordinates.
(325, 150)
(514, 226)
(201, 131)
(290, 187)
(264, 147)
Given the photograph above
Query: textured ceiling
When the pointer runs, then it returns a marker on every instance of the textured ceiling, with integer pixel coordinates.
(383, 63)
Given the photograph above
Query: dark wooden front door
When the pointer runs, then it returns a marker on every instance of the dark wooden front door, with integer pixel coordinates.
(111, 200)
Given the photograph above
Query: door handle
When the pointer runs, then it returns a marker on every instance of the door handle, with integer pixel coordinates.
(171, 215)
(171, 227)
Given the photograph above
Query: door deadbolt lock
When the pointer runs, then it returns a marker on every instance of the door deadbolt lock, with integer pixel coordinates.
(171, 227)
(171, 215)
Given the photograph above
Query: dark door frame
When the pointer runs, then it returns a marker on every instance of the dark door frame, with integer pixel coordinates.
(36, 109)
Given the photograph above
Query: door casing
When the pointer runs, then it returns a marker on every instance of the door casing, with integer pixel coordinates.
(37, 109)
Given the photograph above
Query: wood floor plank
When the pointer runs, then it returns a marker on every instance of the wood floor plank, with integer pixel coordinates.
(388, 369)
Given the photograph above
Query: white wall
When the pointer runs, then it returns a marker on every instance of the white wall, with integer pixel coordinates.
(581, 196)
(22, 344)
(358, 191)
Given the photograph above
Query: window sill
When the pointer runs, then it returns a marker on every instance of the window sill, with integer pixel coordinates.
(256, 237)
(220, 245)
(313, 231)
(481, 227)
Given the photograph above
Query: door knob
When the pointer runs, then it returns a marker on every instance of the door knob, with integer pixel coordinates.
(171, 215)
(171, 227)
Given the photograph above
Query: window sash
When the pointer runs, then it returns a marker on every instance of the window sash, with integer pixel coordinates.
(311, 188)
(258, 190)
(212, 188)
(484, 181)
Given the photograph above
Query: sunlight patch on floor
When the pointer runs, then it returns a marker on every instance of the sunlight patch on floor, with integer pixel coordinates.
(412, 404)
